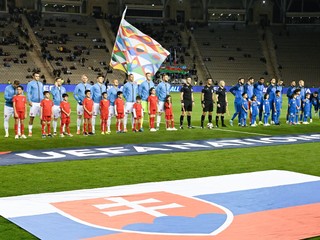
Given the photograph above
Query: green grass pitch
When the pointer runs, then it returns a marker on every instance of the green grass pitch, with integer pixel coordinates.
(72, 175)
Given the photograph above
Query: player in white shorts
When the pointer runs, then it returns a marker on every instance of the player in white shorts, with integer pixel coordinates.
(57, 90)
(35, 95)
(162, 90)
(9, 93)
(79, 95)
(112, 96)
(96, 95)
(130, 91)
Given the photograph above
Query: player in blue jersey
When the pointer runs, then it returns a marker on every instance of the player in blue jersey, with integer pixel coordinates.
(302, 97)
(244, 110)
(162, 90)
(237, 91)
(57, 90)
(299, 103)
(96, 94)
(130, 92)
(266, 110)
(271, 90)
(307, 105)
(290, 92)
(277, 107)
(35, 96)
(143, 92)
(258, 90)
(248, 89)
(112, 96)
(79, 96)
(9, 92)
(315, 103)
(254, 109)
(279, 87)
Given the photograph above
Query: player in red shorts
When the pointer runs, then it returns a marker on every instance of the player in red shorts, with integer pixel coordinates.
(65, 115)
(137, 115)
(119, 111)
(152, 108)
(87, 113)
(46, 105)
(20, 112)
(169, 114)
(104, 113)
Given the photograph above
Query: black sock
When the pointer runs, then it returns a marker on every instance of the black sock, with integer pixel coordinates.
(181, 120)
(210, 118)
(217, 120)
(222, 120)
(202, 119)
(189, 120)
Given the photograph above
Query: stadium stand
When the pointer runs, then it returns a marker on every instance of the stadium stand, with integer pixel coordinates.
(230, 51)
(73, 45)
(15, 50)
(298, 53)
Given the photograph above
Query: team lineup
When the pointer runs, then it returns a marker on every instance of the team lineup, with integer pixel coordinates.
(253, 105)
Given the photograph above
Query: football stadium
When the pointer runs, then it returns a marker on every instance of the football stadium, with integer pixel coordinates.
(159, 119)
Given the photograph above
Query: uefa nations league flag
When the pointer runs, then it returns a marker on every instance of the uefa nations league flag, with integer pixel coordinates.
(135, 52)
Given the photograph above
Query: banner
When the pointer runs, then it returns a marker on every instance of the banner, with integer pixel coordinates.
(135, 52)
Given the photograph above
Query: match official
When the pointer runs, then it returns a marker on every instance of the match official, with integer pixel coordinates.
(187, 102)
(207, 101)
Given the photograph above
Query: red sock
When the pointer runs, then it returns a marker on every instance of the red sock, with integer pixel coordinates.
(90, 127)
(104, 125)
(172, 123)
(84, 127)
(49, 128)
(21, 129)
(121, 126)
(16, 128)
(61, 128)
(152, 122)
(43, 128)
(68, 128)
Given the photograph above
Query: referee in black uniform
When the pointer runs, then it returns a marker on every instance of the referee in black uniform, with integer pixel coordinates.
(207, 101)
(222, 103)
(187, 102)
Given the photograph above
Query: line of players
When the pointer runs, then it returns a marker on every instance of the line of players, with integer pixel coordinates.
(94, 100)
(251, 98)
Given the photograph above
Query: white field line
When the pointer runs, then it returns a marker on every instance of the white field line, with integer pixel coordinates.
(252, 133)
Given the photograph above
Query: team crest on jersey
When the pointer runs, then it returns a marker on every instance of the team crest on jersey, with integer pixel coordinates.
(139, 213)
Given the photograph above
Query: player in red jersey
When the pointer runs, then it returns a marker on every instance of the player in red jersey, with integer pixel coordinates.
(87, 113)
(104, 113)
(138, 115)
(65, 115)
(169, 114)
(152, 108)
(46, 105)
(119, 111)
(20, 112)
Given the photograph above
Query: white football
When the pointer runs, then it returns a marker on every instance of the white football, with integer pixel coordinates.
(209, 125)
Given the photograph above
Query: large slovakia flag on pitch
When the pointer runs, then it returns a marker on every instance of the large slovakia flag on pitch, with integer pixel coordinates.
(264, 205)
(135, 52)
